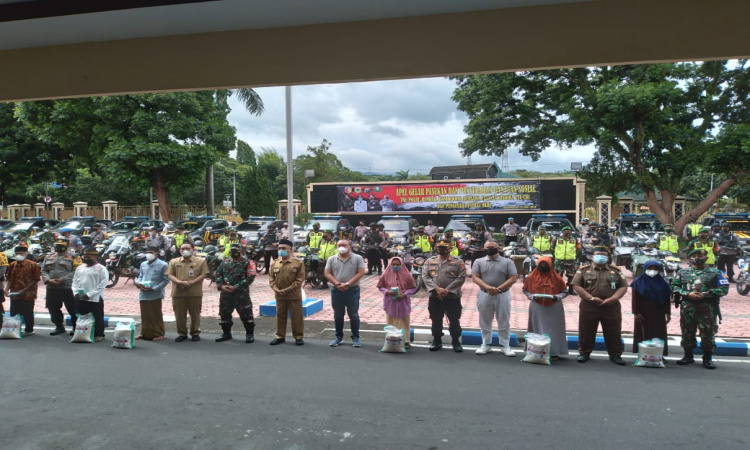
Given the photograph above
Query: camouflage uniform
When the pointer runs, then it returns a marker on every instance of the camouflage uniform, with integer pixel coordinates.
(47, 241)
(241, 275)
(700, 314)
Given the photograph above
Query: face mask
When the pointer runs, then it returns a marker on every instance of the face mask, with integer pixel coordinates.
(652, 273)
(283, 253)
(89, 261)
(342, 250)
(544, 269)
(698, 261)
(566, 236)
(234, 253)
(669, 230)
(703, 237)
(600, 259)
(150, 257)
(443, 250)
(396, 268)
(20, 257)
(186, 253)
(72, 252)
(60, 248)
(491, 251)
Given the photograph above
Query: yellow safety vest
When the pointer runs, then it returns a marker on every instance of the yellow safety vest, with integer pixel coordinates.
(315, 238)
(693, 229)
(423, 243)
(327, 249)
(709, 248)
(542, 243)
(178, 239)
(565, 250)
(227, 243)
(668, 243)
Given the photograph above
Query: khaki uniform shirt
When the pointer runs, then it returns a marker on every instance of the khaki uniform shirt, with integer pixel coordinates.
(448, 274)
(287, 274)
(59, 266)
(185, 270)
(601, 283)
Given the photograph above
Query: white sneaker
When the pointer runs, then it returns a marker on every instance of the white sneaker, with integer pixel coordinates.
(507, 351)
(482, 350)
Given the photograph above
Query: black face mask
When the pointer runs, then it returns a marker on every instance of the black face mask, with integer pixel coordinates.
(699, 262)
(61, 248)
(443, 250)
(89, 261)
(234, 253)
(491, 251)
(544, 269)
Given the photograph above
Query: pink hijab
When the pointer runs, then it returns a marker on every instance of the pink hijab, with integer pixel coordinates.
(391, 278)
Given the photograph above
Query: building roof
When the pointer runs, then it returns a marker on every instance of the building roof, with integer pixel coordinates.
(463, 168)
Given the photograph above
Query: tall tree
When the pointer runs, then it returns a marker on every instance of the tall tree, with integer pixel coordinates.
(245, 154)
(163, 140)
(663, 120)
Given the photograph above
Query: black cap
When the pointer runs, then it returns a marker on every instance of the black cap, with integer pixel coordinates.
(286, 242)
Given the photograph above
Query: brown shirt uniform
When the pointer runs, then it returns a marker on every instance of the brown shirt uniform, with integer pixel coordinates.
(288, 275)
(601, 283)
(185, 270)
(449, 274)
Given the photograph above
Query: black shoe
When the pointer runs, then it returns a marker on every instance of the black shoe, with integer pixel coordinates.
(249, 338)
(224, 337)
(195, 338)
(180, 338)
(617, 360)
(369, 273)
(72, 332)
(380, 272)
(277, 341)
(582, 358)
(687, 359)
(56, 331)
(436, 345)
(571, 291)
(457, 347)
(325, 286)
(708, 363)
(299, 342)
(731, 280)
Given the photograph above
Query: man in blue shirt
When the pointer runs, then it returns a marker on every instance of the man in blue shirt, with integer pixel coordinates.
(151, 281)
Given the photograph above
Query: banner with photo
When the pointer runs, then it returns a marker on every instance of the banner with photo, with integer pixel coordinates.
(490, 196)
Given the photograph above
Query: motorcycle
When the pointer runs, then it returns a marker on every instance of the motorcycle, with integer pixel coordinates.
(313, 267)
(743, 276)
(121, 260)
(670, 265)
(642, 252)
(531, 260)
(213, 257)
(252, 253)
(414, 261)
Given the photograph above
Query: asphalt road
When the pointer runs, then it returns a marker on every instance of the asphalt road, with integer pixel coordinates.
(165, 395)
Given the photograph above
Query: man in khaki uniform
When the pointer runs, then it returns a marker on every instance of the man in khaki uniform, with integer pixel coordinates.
(600, 286)
(443, 277)
(187, 273)
(286, 276)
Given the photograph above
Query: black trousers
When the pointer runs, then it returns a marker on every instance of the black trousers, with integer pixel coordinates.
(509, 239)
(438, 309)
(726, 264)
(56, 298)
(384, 256)
(95, 308)
(267, 257)
(26, 309)
(374, 260)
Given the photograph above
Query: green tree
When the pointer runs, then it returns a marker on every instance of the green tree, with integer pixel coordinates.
(402, 175)
(162, 140)
(245, 154)
(663, 120)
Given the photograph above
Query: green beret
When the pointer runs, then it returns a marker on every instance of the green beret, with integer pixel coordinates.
(704, 229)
(697, 250)
(565, 228)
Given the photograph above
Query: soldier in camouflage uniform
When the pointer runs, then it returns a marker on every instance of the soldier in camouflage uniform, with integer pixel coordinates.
(233, 278)
(47, 239)
(700, 288)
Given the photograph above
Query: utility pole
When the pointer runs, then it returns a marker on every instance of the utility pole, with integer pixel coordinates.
(210, 190)
(289, 163)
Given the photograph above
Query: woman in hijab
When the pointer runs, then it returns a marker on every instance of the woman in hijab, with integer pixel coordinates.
(651, 302)
(545, 289)
(397, 307)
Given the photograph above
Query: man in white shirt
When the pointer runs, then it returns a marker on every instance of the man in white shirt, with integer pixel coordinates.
(89, 282)
(360, 205)
(387, 204)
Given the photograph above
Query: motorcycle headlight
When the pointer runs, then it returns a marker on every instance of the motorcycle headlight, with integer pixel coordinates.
(112, 255)
(419, 261)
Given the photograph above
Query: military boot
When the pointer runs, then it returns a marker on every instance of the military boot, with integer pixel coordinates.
(687, 359)
(227, 332)
(707, 363)
(59, 329)
(249, 332)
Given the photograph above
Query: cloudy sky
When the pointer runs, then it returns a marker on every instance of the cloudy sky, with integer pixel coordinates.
(379, 126)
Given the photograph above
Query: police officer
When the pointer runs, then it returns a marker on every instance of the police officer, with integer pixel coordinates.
(566, 249)
(58, 269)
(155, 239)
(422, 241)
(591, 230)
(443, 277)
(97, 236)
(542, 241)
(233, 279)
(476, 242)
(373, 241)
(229, 240)
(180, 236)
(431, 230)
(693, 228)
(668, 240)
(326, 250)
(457, 247)
(728, 248)
(47, 239)
(270, 241)
(700, 288)
(510, 230)
(583, 228)
(74, 242)
(606, 238)
(314, 236)
(703, 242)
(600, 286)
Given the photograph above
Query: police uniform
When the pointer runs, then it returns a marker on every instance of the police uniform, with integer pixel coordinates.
(699, 315)
(97, 237)
(314, 238)
(239, 274)
(181, 238)
(668, 243)
(728, 249)
(61, 267)
(449, 274)
(541, 242)
(709, 246)
(601, 283)
(157, 241)
(422, 241)
(566, 252)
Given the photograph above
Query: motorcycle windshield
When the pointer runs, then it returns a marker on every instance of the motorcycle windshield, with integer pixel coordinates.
(118, 245)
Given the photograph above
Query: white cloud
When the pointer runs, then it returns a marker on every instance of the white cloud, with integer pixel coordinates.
(382, 126)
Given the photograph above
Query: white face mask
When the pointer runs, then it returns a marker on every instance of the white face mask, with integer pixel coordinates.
(187, 253)
(20, 257)
(343, 250)
(150, 257)
(652, 273)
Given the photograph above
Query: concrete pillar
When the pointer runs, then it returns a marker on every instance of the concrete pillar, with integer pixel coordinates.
(282, 207)
(25, 210)
(604, 209)
(79, 208)
(109, 209)
(155, 210)
(627, 205)
(13, 212)
(57, 208)
(678, 207)
(38, 208)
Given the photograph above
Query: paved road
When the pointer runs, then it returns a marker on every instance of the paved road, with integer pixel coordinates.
(57, 395)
